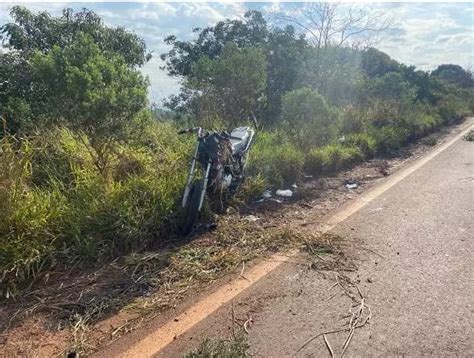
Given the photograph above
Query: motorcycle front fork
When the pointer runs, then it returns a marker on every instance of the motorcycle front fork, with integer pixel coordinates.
(206, 180)
(192, 170)
(189, 183)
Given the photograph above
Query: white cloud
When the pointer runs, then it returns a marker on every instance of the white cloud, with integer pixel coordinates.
(430, 34)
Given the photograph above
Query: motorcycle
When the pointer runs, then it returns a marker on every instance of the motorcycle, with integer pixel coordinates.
(216, 169)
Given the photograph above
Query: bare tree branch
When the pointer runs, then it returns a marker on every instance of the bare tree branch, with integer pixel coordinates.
(331, 24)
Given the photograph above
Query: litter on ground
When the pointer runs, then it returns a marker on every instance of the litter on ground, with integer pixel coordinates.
(251, 218)
(267, 193)
(286, 193)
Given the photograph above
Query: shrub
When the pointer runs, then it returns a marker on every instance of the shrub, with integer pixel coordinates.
(252, 188)
(308, 118)
(451, 109)
(339, 157)
(279, 162)
(352, 121)
(389, 138)
(423, 124)
(314, 161)
(331, 158)
(365, 142)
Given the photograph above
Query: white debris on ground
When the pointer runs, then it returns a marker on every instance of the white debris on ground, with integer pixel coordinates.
(286, 193)
(251, 218)
(267, 193)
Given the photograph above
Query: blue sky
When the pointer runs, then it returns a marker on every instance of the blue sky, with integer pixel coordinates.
(423, 34)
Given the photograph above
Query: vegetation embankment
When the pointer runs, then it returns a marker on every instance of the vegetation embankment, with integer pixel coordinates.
(88, 172)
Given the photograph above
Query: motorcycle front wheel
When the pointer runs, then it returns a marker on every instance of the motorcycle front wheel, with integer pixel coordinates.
(191, 211)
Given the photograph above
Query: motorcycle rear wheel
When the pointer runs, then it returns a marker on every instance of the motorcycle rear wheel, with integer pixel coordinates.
(191, 211)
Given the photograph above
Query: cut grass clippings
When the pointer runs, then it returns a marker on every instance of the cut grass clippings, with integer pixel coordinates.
(469, 136)
(167, 276)
(236, 347)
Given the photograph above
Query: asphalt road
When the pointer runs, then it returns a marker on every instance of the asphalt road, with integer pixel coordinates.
(413, 246)
(409, 251)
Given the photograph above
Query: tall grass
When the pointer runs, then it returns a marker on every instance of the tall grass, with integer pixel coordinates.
(275, 158)
(58, 209)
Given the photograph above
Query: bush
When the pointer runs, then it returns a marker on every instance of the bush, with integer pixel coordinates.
(389, 138)
(314, 161)
(451, 109)
(252, 188)
(424, 123)
(279, 162)
(332, 158)
(352, 121)
(308, 118)
(365, 142)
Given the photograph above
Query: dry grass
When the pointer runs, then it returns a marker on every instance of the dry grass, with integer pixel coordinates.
(469, 136)
(235, 347)
(155, 281)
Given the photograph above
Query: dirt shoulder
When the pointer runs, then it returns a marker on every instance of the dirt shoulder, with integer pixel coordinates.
(83, 312)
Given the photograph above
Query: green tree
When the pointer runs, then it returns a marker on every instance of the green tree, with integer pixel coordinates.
(285, 55)
(334, 72)
(250, 32)
(88, 91)
(375, 63)
(308, 117)
(390, 99)
(232, 85)
(426, 86)
(31, 32)
(70, 69)
(454, 74)
(283, 49)
(391, 87)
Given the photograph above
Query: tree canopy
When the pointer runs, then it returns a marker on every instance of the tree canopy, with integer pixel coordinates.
(454, 74)
(30, 32)
(231, 85)
(70, 69)
(282, 48)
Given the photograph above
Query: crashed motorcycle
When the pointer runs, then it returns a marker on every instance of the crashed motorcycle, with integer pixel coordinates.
(216, 170)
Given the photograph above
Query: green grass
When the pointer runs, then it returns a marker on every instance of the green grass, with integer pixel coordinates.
(332, 158)
(276, 159)
(58, 209)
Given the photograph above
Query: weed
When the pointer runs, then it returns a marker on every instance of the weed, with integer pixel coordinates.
(279, 162)
(429, 141)
(389, 138)
(57, 209)
(222, 348)
(332, 158)
(365, 142)
(469, 136)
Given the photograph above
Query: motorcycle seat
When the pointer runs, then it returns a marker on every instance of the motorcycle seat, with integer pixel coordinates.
(240, 137)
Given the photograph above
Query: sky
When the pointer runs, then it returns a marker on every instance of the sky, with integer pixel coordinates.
(422, 34)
